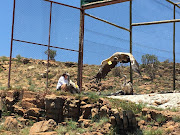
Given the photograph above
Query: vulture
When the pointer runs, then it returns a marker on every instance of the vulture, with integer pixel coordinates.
(127, 87)
(111, 62)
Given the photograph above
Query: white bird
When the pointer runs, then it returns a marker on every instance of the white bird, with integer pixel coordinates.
(111, 62)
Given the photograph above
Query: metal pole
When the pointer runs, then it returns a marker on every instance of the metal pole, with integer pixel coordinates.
(12, 34)
(107, 22)
(45, 45)
(156, 22)
(81, 42)
(49, 41)
(130, 23)
(174, 61)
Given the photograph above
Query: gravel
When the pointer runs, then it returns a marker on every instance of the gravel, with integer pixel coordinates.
(170, 100)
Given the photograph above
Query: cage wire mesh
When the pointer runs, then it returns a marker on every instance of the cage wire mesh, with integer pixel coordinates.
(29, 66)
(31, 38)
(156, 40)
(101, 40)
(65, 27)
(32, 21)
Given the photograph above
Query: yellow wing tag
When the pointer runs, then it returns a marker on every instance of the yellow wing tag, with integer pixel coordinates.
(77, 86)
(109, 62)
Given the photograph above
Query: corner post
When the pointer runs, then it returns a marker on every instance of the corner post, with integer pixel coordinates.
(174, 60)
(81, 43)
(12, 36)
(130, 25)
(49, 42)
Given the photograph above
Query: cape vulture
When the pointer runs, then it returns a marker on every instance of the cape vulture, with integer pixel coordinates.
(111, 62)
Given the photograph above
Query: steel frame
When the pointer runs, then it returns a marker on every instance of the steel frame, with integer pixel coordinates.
(81, 34)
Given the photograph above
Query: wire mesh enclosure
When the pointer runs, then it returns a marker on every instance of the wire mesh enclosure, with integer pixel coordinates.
(89, 35)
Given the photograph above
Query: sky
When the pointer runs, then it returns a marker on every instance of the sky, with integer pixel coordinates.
(100, 40)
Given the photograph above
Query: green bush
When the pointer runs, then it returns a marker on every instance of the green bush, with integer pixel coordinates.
(4, 58)
(150, 63)
(52, 54)
(127, 105)
(18, 58)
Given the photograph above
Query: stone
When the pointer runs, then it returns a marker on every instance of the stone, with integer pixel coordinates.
(86, 110)
(23, 121)
(54, 107)
(71, 108)
(25, 61)
(31, 67)
(94, 112)
(43, 126)
(104, 111)
(45, 133)
(18, 110)
(10, 123)
(113, 121)
(85, 123)
(27, 104)
(35, 112)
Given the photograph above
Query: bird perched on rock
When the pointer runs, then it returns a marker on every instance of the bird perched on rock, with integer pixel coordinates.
(111, 62)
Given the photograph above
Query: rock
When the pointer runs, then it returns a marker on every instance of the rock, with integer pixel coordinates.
(141, 122)
(32, 113)
(113, 121)
(10, 123)
(86, 111)
(45, 133)
(31, 67)
(94, 112)
(19, 110)
(70, 64)
(43, 126)
(27, 104)
(105, 129)
(54, 107)
(71, 108)
(85, 123)
(23, 121)
(29, 94)
(104, 111)
(132, 120)
(25, 61)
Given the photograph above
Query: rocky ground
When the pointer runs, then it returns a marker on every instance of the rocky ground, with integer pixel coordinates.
(29, 108)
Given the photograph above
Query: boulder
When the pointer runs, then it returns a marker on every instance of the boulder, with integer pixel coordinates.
(86, 111)
(10, 123)
(71, 108)
(54, 107)
(43, 126)
(104, 111)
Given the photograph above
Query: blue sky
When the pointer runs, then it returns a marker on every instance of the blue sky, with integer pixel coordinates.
(101, 40)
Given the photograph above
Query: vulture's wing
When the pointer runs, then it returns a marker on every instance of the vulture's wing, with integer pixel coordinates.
(134, 63)
(106, 66)
(111, 62)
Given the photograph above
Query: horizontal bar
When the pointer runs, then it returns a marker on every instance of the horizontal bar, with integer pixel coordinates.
(173, 3)
(177, 3)
(156, 22)
(44, 45)
(107, 22)
(62, 4)
(102, 3)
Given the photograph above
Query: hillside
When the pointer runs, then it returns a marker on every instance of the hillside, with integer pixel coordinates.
(31, 74)
(28, 105)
